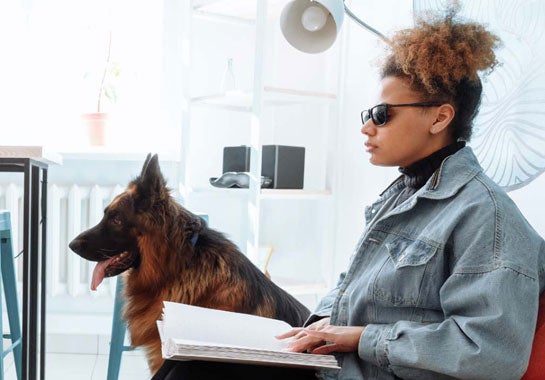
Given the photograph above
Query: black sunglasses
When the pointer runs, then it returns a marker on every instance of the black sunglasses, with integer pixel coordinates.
(379, 113)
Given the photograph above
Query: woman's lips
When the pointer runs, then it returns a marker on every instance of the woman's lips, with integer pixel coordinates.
(370, 147)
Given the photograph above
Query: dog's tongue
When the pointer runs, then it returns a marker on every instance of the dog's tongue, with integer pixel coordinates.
(99, 273)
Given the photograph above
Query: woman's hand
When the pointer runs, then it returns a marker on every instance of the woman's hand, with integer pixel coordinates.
(302, 342)
(336, 338)
(322, 338)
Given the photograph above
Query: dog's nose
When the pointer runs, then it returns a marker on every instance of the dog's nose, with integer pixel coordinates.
(77, 245)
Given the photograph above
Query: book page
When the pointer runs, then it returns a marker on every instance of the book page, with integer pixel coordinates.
(182, 350)
(218, 327)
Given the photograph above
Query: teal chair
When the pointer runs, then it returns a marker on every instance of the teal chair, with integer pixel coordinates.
(119, 329)
(9, 282)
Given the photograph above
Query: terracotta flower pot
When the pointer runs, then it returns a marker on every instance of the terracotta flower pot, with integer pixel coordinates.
(96, 127)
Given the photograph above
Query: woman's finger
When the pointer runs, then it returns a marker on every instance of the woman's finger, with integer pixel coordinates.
(339, 338)
(325, 349)
(306, 343)
(324, 335)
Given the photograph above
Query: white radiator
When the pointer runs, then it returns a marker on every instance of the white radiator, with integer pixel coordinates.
(70, 210)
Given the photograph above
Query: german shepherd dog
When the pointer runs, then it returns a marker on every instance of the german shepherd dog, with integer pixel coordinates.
(166, 253)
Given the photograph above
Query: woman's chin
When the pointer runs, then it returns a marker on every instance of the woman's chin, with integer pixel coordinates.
(375, 160)
(378, 161)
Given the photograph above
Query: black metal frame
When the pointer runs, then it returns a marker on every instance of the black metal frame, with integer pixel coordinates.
(34, 262)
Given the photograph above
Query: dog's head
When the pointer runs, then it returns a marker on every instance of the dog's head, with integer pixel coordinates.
(114, 243)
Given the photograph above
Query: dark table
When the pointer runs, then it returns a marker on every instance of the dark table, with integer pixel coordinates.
(34, 171)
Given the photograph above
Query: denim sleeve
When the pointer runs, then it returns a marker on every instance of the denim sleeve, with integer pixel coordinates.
(487, 332)
(324, 307)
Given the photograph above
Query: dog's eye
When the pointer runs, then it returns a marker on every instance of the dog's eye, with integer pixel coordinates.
(116, 220)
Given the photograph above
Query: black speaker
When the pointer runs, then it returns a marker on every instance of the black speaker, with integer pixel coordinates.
(285, 165)
(236, 159)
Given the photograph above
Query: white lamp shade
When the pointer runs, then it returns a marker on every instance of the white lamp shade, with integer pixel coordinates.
(293, 18)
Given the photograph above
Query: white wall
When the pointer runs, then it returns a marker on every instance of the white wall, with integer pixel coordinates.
(359, 182)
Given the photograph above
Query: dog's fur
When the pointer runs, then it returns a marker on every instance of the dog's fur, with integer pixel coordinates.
(168, 253)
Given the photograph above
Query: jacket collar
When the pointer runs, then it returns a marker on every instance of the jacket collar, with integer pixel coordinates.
(417, 174)
(454, 173)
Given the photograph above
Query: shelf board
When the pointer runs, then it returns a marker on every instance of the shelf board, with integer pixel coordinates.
(295, 194)
(232, 101)
(241, 101)
(216, 191)
(301, 94)
(266, 194)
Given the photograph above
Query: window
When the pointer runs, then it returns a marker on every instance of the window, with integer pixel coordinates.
(54, 64)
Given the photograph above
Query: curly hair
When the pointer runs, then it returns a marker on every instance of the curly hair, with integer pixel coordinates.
(441, 58)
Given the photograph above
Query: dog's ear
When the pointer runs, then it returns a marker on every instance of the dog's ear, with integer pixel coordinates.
(151, 178)
(151, 183)
(144, 167)
(151, 166)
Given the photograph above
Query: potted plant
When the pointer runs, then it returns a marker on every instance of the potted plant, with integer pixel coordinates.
(96, 122)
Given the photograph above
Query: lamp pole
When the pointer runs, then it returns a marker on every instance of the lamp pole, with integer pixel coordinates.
(364, 25)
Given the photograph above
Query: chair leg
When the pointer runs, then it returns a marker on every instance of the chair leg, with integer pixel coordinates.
(118, 334)
(10, 290)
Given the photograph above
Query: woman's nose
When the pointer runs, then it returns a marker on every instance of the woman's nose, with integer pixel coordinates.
(368, 128)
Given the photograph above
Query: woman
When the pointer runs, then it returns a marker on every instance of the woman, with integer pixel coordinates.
(445, 280)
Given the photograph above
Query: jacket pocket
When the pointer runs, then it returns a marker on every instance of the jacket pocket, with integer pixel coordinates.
(408, 276)
(404, 252)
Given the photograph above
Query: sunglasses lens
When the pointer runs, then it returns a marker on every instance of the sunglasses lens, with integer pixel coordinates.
(365, 117)
(379, 114)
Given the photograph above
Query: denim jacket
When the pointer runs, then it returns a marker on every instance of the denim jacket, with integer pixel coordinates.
(446, 283)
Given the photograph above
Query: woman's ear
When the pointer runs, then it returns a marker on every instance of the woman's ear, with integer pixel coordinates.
(443, 116)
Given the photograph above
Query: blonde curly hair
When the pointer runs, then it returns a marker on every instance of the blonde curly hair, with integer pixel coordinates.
(441, 57)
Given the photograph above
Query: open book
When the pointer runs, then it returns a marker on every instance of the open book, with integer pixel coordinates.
(196, 333)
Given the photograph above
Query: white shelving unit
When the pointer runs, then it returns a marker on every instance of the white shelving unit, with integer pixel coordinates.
(267, 107)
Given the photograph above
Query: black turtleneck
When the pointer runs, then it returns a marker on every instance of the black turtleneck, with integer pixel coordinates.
(416, 175)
